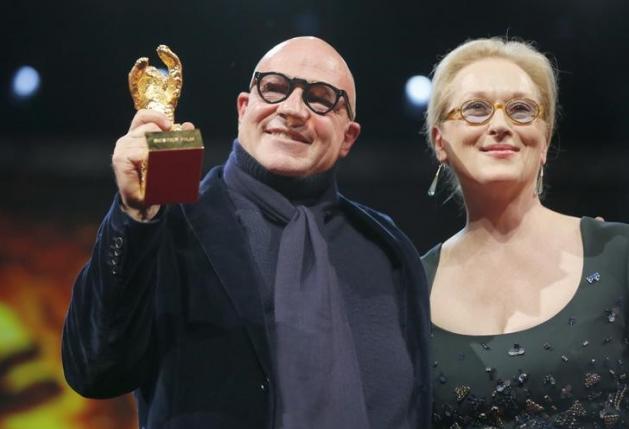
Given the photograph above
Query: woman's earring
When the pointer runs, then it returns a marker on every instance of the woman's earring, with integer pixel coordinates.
(539, 186)
(433, 186)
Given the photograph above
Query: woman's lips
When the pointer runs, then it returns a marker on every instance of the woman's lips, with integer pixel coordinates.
(500, 150)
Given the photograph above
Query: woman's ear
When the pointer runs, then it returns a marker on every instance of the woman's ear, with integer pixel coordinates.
(438, 144)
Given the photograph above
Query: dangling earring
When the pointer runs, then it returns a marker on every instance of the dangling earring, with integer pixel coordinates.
(539, 186)
(433, 186)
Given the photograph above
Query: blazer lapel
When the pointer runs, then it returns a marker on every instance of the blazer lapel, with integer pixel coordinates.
(213, 221)
(358, 214)
(414, 306)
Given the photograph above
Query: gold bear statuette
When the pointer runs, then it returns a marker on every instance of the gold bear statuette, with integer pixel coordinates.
(151, 89)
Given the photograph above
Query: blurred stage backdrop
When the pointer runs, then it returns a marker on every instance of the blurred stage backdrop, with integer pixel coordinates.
(64, 102)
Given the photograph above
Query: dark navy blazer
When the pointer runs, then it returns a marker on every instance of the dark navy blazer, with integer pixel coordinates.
(171, 310)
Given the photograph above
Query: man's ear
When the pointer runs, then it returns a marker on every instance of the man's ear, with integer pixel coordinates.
(349, 138)
(242, 101)
(439, 145)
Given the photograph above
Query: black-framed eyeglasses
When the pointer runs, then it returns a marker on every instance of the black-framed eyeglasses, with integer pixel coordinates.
(479, 111)
(320, 97)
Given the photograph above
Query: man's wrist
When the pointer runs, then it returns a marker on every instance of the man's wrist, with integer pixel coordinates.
(140, 215)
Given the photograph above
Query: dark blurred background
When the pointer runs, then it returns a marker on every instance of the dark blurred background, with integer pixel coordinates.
(55, 145)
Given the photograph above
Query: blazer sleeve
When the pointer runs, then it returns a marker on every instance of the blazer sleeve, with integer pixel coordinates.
(107, 331)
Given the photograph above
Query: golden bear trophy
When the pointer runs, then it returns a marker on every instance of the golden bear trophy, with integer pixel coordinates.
(173, 168)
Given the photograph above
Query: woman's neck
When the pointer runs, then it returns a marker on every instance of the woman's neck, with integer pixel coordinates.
(501, 215)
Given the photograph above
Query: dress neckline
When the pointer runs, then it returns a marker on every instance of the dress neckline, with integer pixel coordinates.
(584, 269)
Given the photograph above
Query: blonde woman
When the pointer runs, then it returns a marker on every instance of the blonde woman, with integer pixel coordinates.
(528, 304)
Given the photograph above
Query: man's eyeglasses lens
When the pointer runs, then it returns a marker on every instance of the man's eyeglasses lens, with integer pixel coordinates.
(319, 97)
(521, 111)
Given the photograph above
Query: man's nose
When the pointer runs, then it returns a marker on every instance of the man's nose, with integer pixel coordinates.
(294, 106)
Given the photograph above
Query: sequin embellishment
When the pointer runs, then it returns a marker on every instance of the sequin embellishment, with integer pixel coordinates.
(593, 278)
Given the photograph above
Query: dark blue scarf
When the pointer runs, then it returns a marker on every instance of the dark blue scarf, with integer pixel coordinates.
(317, 370)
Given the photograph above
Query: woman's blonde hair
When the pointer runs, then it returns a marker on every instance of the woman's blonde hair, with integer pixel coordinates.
(534, 63)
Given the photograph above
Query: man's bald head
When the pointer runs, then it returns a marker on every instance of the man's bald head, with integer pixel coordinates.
(289, 137)
(312, 59)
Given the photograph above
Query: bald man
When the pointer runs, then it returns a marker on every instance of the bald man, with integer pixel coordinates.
(272, 302)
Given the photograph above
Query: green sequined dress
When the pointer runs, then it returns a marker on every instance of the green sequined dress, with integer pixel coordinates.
(568, 372)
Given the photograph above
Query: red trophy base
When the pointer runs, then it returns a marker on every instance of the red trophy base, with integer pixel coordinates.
(173, 169)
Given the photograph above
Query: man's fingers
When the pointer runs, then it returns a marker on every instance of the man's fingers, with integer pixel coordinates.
(141, 130)
(187, 126)
(146, 116)
(129, 154)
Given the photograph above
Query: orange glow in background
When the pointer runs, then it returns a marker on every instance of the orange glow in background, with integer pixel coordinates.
(38, 265)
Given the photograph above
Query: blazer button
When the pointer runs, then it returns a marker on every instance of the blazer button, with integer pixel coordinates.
(118, 241)
(263, 387)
